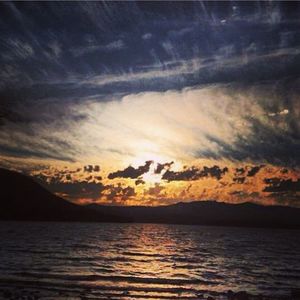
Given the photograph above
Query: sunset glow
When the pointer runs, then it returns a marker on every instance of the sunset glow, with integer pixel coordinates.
(150, 150)
(154, 114)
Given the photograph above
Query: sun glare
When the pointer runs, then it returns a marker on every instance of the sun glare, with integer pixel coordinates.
(151, 177)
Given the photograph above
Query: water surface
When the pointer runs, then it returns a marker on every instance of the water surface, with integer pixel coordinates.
(148, 260)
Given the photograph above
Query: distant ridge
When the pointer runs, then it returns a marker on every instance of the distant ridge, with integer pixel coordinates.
(210, 213)
(21, 198)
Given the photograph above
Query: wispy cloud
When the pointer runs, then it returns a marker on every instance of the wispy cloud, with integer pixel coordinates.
(112, 46)
(186, 86)
(218, 122)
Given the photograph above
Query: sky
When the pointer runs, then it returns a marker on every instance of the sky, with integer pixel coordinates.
(153, 103)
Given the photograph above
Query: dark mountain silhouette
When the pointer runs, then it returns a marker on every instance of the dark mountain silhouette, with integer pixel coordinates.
(21, 198)
(210, 213)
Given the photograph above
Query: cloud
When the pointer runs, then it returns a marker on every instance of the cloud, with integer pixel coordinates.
(283, 190)
(73, 190)
(112, 46)
(147, 36)
(182, 93)
(284, 171)
(67, 181)
(131, 172)
(194, 173)
(150, 75)
(79, 189)
(177, 73)
(239, 171)
(278, 185)
(55, 48)
(91, 168)
(119, 194)
(139, 181)
(108, 28)
(17, 49)
(155, 190)
(238, 130)
(245, 195)
(280, 113)
(96, 168)
(239, 180)
(160, 167)
(254, 170)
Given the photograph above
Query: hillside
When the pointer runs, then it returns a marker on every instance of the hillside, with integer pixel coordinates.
(21, 198)
(210, 213)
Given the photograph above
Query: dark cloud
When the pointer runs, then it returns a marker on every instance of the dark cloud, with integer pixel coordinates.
(62, 175)
(215, 171)
(239, 171)
(155, 190)
(117, 193)
(42, 151)
(277, 185)
(269, 141)
(89, 178)
(139, 181)
(73, 190)
(131, 172)
(194, 173)
(284, 171)
(160, 167)
(236, 193)
(183, 30)
(188, 174)
(144, 47)
(185, 192)
(91, 168)
(84, 189)
(243, 194)
(96, 168)
(289, 198)
(254, 170)
(239, 179)
(283, 190)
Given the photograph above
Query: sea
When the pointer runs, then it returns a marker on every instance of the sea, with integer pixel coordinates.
(146, 261)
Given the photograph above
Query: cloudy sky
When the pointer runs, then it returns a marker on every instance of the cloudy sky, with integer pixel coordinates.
(151, 103)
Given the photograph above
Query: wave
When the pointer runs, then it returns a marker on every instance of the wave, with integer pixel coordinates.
(96, 277)
(92, 287)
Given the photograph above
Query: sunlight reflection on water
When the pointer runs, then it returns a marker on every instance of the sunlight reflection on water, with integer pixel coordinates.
(150, 258)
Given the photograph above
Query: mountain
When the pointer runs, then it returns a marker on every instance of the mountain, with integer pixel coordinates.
(21, 198)
(210, 213)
